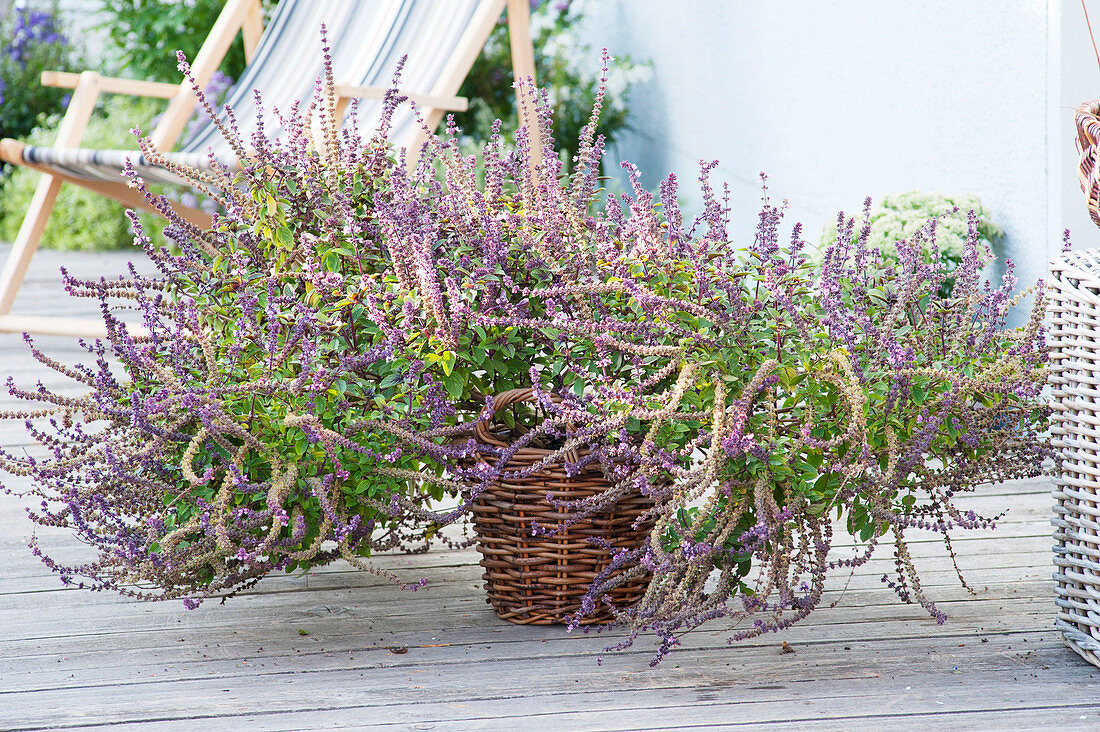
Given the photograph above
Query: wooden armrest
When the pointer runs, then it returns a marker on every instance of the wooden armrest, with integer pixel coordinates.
(451, 104)
(11, 151)
(112, 85)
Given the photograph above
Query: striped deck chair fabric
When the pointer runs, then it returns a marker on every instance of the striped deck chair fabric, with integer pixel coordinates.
(368, 38)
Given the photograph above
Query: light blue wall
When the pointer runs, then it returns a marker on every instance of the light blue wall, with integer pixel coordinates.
(841, 100)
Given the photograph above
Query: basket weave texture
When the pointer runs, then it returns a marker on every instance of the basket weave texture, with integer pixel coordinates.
(540, 580)
(1088, 171)
(1075, 395)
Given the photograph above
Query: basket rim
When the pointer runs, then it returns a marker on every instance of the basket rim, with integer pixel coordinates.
(1079, 264)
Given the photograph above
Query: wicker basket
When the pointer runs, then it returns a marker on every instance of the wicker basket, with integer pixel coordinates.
(539, 580)
(1075, 391)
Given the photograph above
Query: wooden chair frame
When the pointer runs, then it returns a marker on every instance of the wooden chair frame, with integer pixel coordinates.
(238, 16)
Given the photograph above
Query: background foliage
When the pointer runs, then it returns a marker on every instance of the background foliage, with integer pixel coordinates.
(147, 33)
(564, 67)
(903, 215)
(33, 41)
(81, 219)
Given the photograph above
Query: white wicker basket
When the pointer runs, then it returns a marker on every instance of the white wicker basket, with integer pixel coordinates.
(1075, 390)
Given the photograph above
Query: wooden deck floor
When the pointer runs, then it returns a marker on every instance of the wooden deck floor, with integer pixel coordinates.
(340, 649)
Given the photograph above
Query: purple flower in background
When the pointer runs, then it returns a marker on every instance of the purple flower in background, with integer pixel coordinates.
(32, 27)
(216, 90)
(31, 42)
(560, 6)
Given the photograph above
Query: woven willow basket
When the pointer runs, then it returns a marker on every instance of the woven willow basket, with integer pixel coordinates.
(539, 580)
(1075, 391)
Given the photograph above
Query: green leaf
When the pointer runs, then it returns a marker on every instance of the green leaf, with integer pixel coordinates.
(447, 361)
(284, 237)
(454, 383)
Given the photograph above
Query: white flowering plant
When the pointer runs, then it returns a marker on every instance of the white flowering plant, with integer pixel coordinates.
(901, 216)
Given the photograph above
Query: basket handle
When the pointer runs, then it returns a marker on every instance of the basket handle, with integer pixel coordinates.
(501, 401)
(1088, 140)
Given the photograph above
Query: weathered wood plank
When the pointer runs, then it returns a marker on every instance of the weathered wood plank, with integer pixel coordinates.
(1063, 717)
(457, 583)
(190, 658)
(761, 689)
(343, 628)
(990, 579)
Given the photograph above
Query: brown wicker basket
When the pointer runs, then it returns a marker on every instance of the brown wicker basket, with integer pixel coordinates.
(539, 580)
(1088, 172)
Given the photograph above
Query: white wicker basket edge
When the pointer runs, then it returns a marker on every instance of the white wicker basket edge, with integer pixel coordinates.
(1074, 377)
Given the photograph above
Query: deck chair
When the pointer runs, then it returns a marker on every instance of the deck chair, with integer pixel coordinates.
(441, 39)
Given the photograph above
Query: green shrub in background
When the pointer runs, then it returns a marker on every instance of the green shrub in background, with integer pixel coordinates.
(33, 41)
(82, 220)
(564, 67)
(147, 34)
(902, 215)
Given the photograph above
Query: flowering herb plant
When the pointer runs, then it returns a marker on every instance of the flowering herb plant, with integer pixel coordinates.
(843, 396)
(296, 351)
(316, 359)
